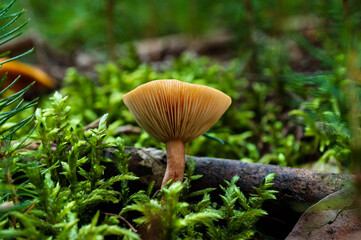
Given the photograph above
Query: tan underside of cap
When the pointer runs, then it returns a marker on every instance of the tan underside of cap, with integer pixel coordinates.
(171, 109)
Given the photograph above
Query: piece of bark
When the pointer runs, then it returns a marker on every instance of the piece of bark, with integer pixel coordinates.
(333, 217)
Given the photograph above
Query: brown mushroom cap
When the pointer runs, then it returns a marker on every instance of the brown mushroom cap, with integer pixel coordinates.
(174, 110)
(27, 73)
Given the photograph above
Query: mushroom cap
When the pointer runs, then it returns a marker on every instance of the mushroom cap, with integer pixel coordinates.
(28, 75)
(173, 110)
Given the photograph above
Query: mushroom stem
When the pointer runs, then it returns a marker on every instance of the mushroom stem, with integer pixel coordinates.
(175, 161)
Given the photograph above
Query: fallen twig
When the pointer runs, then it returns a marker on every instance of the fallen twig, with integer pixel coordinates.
(29, 208)
(120, 217)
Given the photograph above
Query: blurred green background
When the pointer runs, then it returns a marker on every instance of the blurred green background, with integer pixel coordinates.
(69, 25)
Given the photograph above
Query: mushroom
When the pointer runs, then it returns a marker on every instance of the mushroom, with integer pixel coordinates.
(175, 113)
(28, 75)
